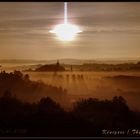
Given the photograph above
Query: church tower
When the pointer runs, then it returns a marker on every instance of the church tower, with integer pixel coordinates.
(57, 64)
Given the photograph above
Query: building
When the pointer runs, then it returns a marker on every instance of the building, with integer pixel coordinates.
(51, 67)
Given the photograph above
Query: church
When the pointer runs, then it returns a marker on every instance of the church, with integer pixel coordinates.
(51, 67)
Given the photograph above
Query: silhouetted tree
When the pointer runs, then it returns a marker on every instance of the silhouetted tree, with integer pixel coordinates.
(114, 113)
(7, 94)
(47, 105)
(26, 77)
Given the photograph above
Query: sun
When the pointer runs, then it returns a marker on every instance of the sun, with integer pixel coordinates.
(66, 32)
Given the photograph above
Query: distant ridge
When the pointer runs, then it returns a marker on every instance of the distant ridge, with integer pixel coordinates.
(67, 61)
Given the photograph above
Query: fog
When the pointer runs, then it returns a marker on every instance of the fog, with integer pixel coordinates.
(102, 85)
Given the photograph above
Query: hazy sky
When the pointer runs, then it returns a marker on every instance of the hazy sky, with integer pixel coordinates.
(110, 30)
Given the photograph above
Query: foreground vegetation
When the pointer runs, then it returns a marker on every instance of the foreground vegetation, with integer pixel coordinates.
(47, 118)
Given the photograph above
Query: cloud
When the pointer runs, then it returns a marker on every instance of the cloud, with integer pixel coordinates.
(108, 28)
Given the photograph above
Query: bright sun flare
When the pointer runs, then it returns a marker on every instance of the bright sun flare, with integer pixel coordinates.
(66, 32)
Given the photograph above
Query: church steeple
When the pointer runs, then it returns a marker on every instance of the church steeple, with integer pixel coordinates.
(57, 64)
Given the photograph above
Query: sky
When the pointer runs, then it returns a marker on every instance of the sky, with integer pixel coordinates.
(110, 30)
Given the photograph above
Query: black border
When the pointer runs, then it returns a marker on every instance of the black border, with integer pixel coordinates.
(61, 138)
(69, 1)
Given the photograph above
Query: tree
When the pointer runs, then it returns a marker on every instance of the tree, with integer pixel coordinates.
(7, 94)
(47, 105)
